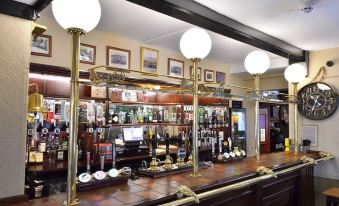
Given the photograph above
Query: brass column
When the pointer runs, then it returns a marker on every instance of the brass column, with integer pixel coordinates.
(195, 118)
(256, 117)
(72, 143)
(295, 130)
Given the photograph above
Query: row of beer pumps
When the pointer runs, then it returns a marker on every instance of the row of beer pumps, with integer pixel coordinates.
(221, 148)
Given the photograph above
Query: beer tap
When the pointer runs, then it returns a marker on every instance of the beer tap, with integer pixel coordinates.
(190, 158)
(154, 163)
(181, 152)
(168, 161)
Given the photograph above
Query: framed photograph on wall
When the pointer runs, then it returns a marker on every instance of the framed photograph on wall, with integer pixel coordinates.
(118, 58)
(149, 60)
(199, 73)
(42, 46)
(220, 77)
(87, 54)
(209, 75)
(175, 67)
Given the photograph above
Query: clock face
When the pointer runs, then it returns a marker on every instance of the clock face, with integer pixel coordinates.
(317, 101)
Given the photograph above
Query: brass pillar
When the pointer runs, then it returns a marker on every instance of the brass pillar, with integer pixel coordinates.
(295, 130)
(256, 117)
(195, 128)
(72, 143)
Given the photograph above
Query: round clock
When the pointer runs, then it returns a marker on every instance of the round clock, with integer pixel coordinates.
(317, 101)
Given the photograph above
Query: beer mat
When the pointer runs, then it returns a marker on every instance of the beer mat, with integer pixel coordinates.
(175, 170)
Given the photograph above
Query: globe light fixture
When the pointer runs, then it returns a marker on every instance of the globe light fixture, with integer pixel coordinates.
(256, 63)
(195, 45)
(294, 74)
(80, 14)
(77, 17)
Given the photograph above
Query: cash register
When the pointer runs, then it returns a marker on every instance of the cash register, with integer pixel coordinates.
(132, 142)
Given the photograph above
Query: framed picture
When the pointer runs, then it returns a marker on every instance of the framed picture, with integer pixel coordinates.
(149, 60)
(220, 77)
(209, 75)
(175, 67)
(118, 58)
(87, 54)
(199, 73)
(42, 46)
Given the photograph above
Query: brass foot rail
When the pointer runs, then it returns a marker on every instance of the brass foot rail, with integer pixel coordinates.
(196, 197)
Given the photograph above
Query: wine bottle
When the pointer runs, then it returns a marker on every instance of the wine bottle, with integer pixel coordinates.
(115, 118)
(155, 115)
(127, 117)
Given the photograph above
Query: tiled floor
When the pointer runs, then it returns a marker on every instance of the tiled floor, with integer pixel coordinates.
(147, 189)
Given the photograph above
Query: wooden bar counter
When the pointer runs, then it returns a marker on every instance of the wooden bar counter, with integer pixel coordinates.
(294, 188)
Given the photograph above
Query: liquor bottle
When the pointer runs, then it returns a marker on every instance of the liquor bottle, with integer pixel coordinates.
(115, 118)
(80, 150)
(201, 115)
(186, 115)
(155, 115)
(161, 114)
(166, 115)
(121, 116)
(205, 116)
(132, 117)
(149, 116)
(140, 116)
(144, 114)
(127, 117)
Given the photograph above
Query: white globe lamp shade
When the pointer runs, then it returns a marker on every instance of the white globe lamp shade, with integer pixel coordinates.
(295, 73)
(80, 14)
(195, 43)
(257, 62)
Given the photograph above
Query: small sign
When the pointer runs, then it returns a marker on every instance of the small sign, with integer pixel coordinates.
(236, 104)
(182, 153)
(262, 135)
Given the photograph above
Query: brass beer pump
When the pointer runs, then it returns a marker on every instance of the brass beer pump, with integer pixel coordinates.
(168, 161)
(154, 164)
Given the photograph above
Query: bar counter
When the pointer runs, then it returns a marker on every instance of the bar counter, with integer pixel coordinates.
(295, 188)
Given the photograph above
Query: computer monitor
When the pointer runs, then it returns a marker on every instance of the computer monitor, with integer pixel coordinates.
(133, 134)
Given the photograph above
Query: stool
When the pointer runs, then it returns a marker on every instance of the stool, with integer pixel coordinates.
(332, 196)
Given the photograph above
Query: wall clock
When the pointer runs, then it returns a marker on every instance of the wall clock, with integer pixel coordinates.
(317, 101)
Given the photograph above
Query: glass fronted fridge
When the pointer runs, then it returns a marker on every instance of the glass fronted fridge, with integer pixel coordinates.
(238, 129)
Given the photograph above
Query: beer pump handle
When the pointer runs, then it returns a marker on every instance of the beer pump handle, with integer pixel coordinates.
(102, 161)
(88, 162)
(154, 145)
(167, 142)
(179, 140)
(114, 154)
(190, 138)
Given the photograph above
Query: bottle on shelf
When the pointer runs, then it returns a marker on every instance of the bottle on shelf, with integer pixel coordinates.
(140, 116)
(155, 115)
(149, 116)
(127, 117)
(115, 118)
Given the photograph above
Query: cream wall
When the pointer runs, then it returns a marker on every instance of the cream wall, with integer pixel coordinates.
(328, 129)
(61, 51)
(14, 60)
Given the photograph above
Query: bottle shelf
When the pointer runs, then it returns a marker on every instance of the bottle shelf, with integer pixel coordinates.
(146, 124)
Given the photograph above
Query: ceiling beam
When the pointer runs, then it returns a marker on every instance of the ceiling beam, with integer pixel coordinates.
(204, 17)
(41, 5)
(17, 9)
(21, 10)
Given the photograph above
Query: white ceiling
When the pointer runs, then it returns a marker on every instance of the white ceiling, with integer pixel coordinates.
(280, 18)
(283, 19)
(29, 2)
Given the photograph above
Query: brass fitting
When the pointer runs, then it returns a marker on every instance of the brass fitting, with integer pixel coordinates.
(154, 165)
(168, 163)
(266, 171)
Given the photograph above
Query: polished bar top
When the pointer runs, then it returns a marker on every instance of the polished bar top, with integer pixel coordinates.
(147, 191)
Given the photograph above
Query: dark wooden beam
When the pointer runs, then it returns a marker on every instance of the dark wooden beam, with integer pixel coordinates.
(17, 9)
(41, 5)
(200, 15)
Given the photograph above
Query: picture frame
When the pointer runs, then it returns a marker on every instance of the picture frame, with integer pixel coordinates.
(176, 67)
(87, 54)
(310, 132)
(199, 73)
(209, 75)
(220, 77)
(42, 45)
(149, 60)
(118, 58)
